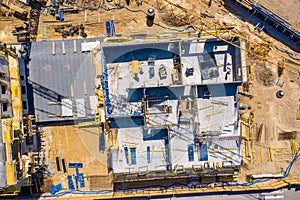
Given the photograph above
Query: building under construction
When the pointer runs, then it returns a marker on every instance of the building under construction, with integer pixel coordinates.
(174, 104)
(17, 163)
(151, 112)
(61, 81)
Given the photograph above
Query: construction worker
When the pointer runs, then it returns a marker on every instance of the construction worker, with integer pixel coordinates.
(227, 73)
(209, 3)
(139, 2)
(69, 2)
(199, 33)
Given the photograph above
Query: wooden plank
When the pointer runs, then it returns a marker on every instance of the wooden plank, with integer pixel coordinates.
(298, 112)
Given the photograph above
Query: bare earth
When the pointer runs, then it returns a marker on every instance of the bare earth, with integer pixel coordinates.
(289, 10)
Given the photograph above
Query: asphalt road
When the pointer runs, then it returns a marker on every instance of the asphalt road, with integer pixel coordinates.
(278, 194)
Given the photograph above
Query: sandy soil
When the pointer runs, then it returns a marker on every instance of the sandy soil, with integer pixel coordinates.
(282, 112)
(289, 10)
(76, 145)
(276, 115)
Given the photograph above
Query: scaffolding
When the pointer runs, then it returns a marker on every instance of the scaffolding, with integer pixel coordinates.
(10, 165)
(11, 122)
(16, 96)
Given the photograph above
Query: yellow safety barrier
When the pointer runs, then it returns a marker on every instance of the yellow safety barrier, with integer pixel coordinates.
(10, 192)
(11, 173)
(271, 156)
(244, 130)
(91, 123)
(298, 113)
(231, 149)
(260, 154)
(294, 147)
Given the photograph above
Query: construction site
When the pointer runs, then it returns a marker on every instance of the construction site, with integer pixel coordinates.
(105, 99)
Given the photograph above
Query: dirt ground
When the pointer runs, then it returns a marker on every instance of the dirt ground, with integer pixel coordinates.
(276, 116)
(288, 10)
(127, 22)
(76, 144)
